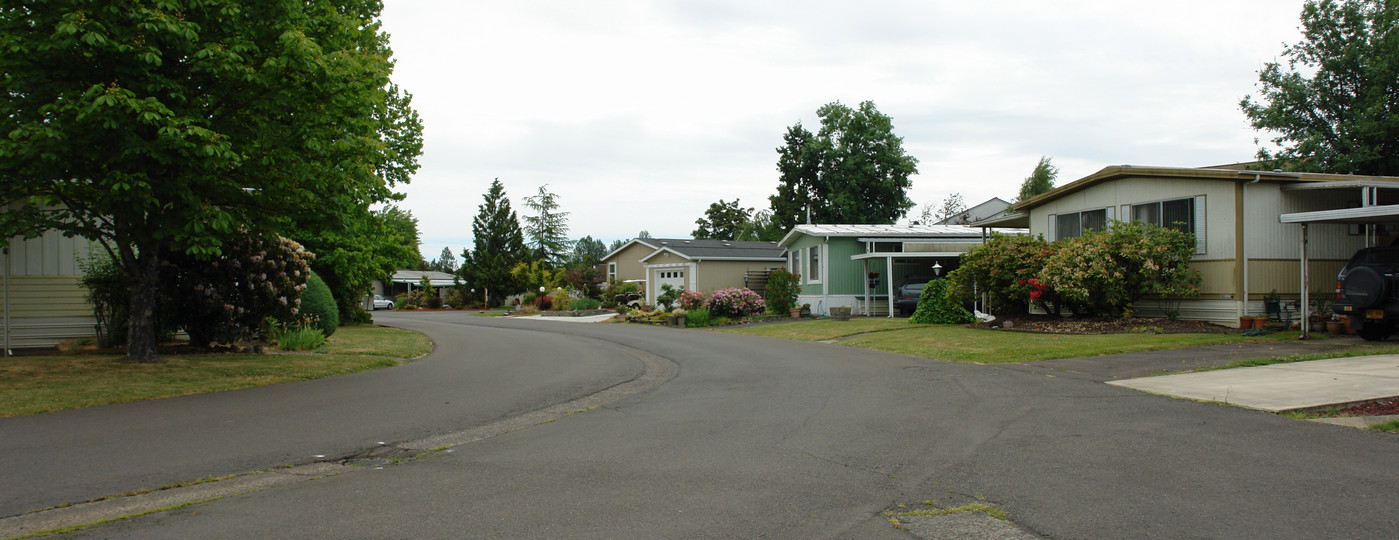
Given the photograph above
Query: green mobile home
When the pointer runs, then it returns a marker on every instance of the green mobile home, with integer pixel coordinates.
(861, 266)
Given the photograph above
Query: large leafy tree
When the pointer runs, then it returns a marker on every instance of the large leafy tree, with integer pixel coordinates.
(547, 228)
(1041, 180)
(723, 221)
(1334, 106)
(167, 127)
(587, 252)
(360, 247)
(499, 246)
(854, 170)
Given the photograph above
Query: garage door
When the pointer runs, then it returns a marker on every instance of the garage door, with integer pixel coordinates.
(676, 278)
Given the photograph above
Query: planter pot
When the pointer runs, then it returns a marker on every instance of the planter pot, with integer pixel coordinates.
(1333, 327)
(796, 313)
(840, 313)
(1245, 322)
(1260, 322)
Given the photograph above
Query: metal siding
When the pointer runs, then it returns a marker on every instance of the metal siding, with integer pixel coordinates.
(46, 296)
(846, 276)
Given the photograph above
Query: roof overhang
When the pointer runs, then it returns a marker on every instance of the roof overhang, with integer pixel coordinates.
(906, 255)
(1366, 214)
(1014, 220)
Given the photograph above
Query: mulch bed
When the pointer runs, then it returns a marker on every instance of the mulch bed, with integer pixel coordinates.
(1095, 325)
(1377, 408)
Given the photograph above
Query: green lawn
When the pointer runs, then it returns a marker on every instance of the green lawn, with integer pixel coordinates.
(957, 343)
(44, 383)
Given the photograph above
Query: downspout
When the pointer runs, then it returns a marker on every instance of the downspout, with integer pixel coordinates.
(6, 252)
(1243, 239)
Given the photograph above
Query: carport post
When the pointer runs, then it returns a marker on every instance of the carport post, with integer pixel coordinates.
(1306, 288)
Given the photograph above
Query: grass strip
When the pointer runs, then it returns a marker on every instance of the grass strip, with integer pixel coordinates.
(960, 344)
(46, 383)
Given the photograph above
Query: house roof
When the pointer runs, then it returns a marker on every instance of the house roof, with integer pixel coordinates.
(652, 243)
(992, 208)
(414, 277)
(892, 232)
(1222, 173)
(719, 250)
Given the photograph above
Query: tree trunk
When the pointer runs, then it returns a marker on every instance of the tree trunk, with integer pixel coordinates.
(145, 288)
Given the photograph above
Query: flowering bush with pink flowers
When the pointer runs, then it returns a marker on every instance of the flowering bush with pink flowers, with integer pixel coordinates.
(734, 302)
(692, 300)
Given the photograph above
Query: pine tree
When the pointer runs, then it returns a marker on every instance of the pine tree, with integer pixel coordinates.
(499, 247)
(547, 228)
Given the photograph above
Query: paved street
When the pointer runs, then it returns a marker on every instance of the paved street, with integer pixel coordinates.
(746, 437)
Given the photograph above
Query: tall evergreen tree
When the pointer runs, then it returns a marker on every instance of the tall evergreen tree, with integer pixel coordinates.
(499, 246)
(547, 228)
(1041, 180)
(587, 252)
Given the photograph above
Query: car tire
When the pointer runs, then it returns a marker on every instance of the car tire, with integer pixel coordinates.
(1363, 287)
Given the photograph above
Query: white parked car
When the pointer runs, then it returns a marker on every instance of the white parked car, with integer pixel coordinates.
(380, 302)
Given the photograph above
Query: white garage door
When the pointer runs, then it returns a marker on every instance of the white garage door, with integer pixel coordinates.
(676, 278)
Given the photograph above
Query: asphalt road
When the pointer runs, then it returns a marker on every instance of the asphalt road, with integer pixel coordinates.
(751, 438)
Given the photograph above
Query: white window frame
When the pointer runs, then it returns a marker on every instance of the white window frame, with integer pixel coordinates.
(611, 271)
(815, 256)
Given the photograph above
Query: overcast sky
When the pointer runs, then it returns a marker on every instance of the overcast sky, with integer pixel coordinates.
(639, 114)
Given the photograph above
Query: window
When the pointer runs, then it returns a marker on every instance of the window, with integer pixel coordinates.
(796, 262)
(611, 271)
(1074, 224)
(814, 262)
(1186, 215)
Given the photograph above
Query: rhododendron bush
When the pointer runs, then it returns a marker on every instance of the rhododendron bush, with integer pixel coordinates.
(1100, 272)
(734, 302)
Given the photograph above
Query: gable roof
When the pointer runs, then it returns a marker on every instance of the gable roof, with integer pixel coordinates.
(891, 232)
(652, 243)
(992, 208)
(720, 250)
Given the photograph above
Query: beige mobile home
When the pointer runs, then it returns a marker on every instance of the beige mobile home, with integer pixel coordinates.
(1243, 250)
(43, 304)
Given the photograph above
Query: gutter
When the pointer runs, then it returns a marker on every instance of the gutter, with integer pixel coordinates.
(6, 252)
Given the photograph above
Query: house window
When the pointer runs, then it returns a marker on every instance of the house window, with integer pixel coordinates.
(796, 262)
(814, 262)
(1074, 224)
(611, 271)
(1186, 215)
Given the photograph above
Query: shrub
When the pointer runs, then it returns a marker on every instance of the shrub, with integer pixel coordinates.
(698, 318)
(110, 297)
(299, 337)
(623, 310)
(720, 321)
(734, 302)
(545, 302)
(433, 302)
(782, 290)
(586, 303)
(562, 302)
(226, 298)
(1001, 269)
(668, 296)
(692, 300)
(1107, 271)
(936, 307)
(318, 305)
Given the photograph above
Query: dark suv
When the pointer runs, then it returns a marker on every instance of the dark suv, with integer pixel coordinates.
(1367, 290)
(906, 300)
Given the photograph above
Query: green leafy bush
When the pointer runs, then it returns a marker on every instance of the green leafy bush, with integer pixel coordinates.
(669, 294)
(226, 298)
(319, 307)
(782, 290)
(586, 303)
(1105, 272)
(299, 337)
(1001, 269)
(720, 321)
(110, 297)
(936, 307)
(697, 318)
(734, 302)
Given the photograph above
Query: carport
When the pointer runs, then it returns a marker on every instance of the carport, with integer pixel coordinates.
(889, 257)
(1367, 215)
